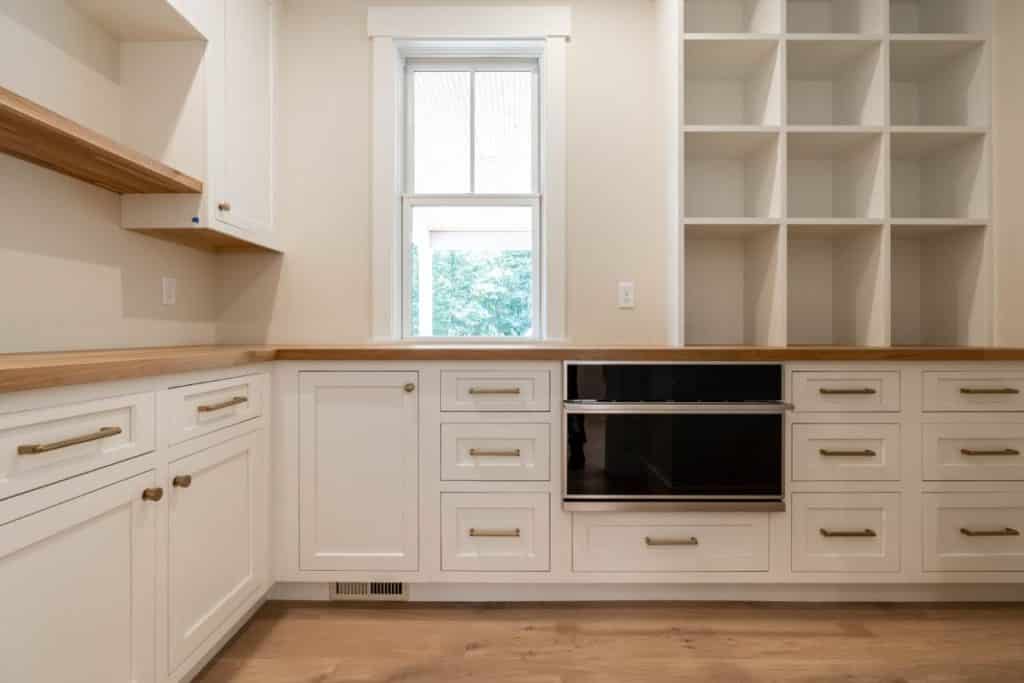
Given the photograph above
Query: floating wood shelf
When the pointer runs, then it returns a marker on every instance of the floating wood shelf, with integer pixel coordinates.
(209, 239)
(40, 136)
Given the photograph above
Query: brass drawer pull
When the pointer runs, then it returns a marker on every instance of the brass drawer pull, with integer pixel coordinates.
(214, 407)
(182, 481)
(494, 533)
(667, 542)
(500, 391)
(409, 388)
(857, 533)
(866, 391)
(998, 451)
(994, 391)
(867, 453)
(37, 448)
(989, 533)
(480, 453)
(153, 495)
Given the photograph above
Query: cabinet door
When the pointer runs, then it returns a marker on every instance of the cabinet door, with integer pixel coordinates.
(245, 192)
(359, 471)
(77, 601)
(216, 534)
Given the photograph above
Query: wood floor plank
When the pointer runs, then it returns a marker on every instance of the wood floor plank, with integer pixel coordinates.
(621, 643)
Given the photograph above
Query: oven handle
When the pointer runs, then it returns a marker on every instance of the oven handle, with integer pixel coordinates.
(609, 408)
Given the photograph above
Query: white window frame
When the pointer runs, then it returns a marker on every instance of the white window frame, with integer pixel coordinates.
(401, 33)
(412, 199)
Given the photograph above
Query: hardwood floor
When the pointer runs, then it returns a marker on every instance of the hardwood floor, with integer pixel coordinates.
(622, 643)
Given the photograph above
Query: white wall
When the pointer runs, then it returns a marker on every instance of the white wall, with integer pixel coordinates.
(70, 277)
(320, 293)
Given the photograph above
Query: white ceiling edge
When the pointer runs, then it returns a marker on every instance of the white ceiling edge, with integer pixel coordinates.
(469, 22)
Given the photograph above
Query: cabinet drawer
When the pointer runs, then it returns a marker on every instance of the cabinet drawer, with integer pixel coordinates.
(973, 391)
(495, 391)
(846, 452)
(40, 447)
(495, 531)
(973, 532)
(665, 542)
(199, 409)
(846, 392)
(495, 452)
(973, 452)
(857, 532)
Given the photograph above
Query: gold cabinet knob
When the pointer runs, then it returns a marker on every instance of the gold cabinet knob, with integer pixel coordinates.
(409, 388)
(153, 495)
(224, 206)
(182, 481)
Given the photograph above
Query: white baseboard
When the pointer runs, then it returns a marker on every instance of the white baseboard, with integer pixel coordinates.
(443, 592)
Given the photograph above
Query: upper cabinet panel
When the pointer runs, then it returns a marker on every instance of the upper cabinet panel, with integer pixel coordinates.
(244, 195)
(143, 20)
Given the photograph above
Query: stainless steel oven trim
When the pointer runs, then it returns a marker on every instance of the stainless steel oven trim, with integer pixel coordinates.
(566, 364)
(674, 506)
(607, 408)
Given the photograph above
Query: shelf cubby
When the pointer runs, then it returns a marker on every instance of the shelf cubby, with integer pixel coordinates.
(836, 82)
(939, 16)
(733, 82)
(939, 83)
(940, 175)
(732, 175)
(837, 292)
(735, 290)
(836, 175)
(733, 16)
(835, 16)
(941, 286)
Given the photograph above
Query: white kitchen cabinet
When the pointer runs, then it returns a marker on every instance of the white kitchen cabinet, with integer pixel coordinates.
(217, 541)
(244, 193)
(359, 471)
(77, 585)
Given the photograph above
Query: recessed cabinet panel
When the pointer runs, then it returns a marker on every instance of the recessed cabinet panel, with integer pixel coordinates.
(846, 452)
(846, 532)
(359, 470)
(495, 390)
(77, 588)
(197, 409)
(973, 451)
(973, 532)
(974, 391)
(244, 198)
(495, 531)
(39, 447)
(216, 535)
(495, 452)
(846, 392)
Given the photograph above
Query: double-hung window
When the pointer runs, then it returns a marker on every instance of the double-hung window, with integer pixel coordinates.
(471, 201)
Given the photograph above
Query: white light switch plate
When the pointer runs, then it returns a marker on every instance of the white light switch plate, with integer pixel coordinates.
(627, 295)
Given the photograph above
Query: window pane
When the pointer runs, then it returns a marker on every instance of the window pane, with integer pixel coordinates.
(504, 132)
(441, 132)
(472, 271)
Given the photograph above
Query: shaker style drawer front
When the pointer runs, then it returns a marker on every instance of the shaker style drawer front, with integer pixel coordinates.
(495, 452)
(858, 532)
(199, 409)
(982, 391)
(846, 392)
(665, 542)
(975, 532)
(495, 391)
(973, 452)
(495, 531)
(846, 452)
(40, 447)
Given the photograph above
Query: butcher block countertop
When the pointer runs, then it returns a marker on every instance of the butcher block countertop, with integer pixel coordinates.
(24, 371)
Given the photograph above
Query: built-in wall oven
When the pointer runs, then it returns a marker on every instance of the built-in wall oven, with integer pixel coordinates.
(673, 436)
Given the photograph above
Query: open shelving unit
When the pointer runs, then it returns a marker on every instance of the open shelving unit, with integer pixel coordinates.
(835, 173)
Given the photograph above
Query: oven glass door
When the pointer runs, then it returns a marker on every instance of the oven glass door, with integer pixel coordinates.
(623, 456)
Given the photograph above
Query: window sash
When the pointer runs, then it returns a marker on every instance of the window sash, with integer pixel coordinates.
(409, 202)
(470, 66)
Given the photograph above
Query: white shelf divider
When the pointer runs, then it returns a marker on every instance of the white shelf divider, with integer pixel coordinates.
(836, 175)
(940, 83)
(940, 175)
(733, 82)
(836, 83)
(733, 175)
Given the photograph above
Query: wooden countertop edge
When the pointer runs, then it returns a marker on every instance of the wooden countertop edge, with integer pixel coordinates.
(22, 372)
